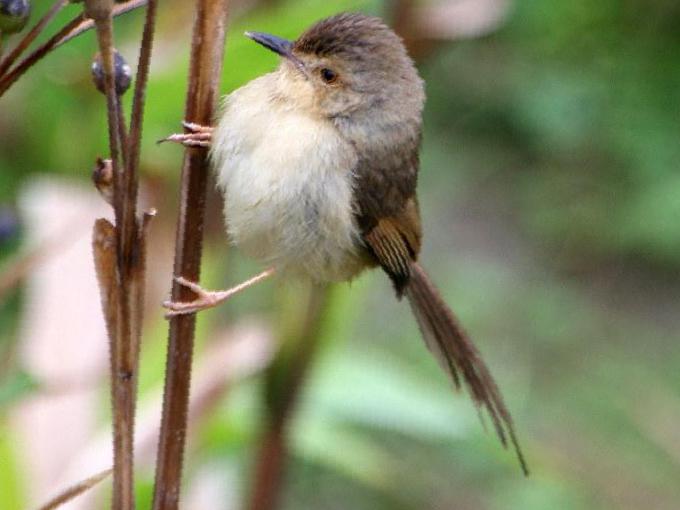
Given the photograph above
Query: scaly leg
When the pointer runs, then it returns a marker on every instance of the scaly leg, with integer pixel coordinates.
(197, 136)
(206, 298)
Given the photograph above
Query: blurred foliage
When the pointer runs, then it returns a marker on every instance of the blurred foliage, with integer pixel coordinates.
(551, 202)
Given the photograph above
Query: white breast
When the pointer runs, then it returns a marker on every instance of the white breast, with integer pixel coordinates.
(287, 183)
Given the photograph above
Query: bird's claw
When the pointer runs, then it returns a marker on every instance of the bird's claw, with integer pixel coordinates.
(208, 298)
(205, 299)
(197, 135)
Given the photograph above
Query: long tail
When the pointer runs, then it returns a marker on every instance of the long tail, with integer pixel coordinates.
(457, 354)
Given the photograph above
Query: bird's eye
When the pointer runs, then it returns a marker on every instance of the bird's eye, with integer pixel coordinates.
(328, 75)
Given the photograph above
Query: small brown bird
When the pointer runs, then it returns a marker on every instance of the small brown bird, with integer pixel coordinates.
(318, 163)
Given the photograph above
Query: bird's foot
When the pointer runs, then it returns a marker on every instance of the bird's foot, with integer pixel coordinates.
(197, 135)
(207, 298)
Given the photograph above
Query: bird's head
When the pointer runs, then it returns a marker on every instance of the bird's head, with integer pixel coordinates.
(346, 66)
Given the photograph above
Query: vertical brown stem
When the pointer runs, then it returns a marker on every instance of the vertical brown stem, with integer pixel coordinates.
(131, 181)
(123, 308)
(269, 468)
(284, 383)
(207, 51)
(122, 132)
(122, 381)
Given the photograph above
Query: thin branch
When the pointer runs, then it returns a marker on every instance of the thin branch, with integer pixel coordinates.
(75, 491)
(269, 468)
(131, 266)
(118, 300)
(72, 29)
(207, 51)
(33, 58)
(122, 133)
(131, 182)
(30, 36)
(88, 24)
(120, 251)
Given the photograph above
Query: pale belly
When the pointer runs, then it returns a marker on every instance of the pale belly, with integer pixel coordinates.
(287, 186)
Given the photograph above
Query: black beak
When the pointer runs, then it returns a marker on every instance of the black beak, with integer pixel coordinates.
(277, 44)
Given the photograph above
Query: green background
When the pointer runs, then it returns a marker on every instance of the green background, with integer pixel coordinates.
(550, 196)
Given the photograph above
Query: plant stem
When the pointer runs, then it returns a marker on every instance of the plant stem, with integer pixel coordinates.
(131, 183)
(123, 373)
(207, 49)
(123, 306)
(75, 490)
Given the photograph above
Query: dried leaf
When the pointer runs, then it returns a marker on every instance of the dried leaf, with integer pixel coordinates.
(104, 250)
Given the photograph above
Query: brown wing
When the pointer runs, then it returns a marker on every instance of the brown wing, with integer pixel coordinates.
(387, 213)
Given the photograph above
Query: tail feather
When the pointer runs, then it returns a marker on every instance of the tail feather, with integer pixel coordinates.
(457, 354)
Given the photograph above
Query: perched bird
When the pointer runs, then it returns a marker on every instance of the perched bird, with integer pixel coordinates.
(318, 163)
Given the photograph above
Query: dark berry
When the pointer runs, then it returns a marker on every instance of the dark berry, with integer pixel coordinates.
(14, 15)
(123, 73)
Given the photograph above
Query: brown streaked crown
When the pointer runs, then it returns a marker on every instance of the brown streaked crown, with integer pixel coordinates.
(346, 33)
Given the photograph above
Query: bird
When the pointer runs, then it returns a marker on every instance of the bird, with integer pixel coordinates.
(318, 164)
